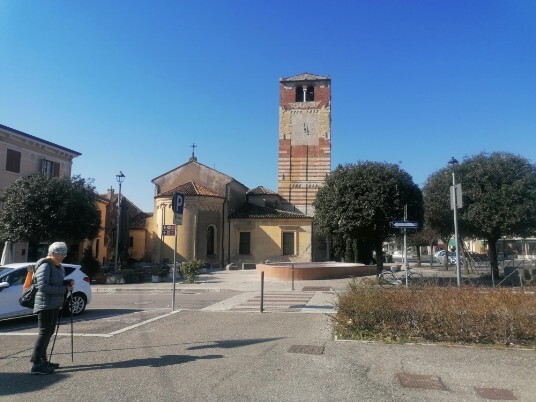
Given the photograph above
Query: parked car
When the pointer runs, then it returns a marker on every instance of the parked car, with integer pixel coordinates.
(439, 252)
(12, 278)
(438, 256)
(452, 259)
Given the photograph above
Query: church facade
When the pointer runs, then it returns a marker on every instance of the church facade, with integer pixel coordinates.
(225, 222)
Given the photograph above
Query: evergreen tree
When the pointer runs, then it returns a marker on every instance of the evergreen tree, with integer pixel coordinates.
(355, 208)
(41, 208)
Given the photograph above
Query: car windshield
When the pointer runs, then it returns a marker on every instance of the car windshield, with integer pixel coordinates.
(5, 270)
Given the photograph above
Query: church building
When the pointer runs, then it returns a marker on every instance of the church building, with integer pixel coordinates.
(224, 221)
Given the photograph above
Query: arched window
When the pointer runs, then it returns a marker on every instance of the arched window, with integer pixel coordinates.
(299, 94)
(210, 240)
(310, 96)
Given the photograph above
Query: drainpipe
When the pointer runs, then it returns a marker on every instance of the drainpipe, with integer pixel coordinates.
(226, 213)
(196, 218)
(223, 227)
(228, 241)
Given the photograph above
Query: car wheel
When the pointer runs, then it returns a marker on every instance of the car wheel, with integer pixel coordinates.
(78, 303)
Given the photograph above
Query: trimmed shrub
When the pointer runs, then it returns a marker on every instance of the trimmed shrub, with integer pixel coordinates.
(466, 315)
(190, 270)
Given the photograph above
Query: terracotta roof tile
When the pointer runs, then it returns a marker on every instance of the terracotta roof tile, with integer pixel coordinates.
(260, 190)
(191, 188)
(258, 212)
(305, 77)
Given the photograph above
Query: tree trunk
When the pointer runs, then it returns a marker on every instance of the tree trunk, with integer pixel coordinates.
(379, 256)
(446, 260)
(364, 252)
(431, 254)
(492, 245)
(418, 256)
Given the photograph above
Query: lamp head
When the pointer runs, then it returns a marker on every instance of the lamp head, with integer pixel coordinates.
(453, 161)
(120, 177)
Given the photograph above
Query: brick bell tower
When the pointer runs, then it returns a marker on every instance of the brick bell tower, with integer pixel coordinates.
(304, 139)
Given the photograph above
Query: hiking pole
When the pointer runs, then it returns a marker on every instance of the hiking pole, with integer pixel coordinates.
(55, 336)
(72, 337)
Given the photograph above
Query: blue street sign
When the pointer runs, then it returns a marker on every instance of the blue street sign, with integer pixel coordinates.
(178, 203)
(405, 225)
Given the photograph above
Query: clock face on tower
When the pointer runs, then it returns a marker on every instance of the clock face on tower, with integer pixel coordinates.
(304, 128)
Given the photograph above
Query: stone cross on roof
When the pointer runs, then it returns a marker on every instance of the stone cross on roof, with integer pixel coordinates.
(193, 146)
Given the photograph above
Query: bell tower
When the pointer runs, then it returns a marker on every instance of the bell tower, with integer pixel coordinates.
(304, 139)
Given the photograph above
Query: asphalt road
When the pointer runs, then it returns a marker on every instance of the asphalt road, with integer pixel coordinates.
(130, 346)
(146, 300)
(111, 313)
(236, 356)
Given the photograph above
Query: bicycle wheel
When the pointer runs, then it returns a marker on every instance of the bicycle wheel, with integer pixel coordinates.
(387, 279)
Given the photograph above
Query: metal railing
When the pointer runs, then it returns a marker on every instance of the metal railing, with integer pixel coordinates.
(516, 272)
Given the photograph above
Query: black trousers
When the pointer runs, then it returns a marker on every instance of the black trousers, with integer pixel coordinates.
(46, 324)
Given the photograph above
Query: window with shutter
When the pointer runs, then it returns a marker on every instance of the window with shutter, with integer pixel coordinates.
(50, 168)
(288, 243)
(13, 161)
(245, 243)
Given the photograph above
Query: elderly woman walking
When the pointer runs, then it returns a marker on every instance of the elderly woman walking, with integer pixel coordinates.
(51, 290)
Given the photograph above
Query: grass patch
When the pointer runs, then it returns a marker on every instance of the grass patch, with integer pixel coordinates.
(432, 313)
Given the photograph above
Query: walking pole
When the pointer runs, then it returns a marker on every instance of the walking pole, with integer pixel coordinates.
(55, 336)
(72, 338)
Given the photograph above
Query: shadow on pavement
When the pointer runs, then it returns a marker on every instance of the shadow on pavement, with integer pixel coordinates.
(161, 361)
(19, 383)
(229, 344)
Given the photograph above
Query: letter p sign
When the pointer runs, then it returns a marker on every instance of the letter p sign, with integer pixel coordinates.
(178, 203)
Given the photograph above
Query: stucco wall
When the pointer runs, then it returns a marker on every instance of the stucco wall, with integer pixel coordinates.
(196, 172)
(103, 249)
(199, 213)
(138, 250)
(267, 240)
(32, 154)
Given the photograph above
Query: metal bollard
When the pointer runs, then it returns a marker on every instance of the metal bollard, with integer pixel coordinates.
(262, 291)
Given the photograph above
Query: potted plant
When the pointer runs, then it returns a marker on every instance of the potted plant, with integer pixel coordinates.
(160, 274)
(190, 270)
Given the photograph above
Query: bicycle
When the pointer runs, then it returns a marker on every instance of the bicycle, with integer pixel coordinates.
(388, 278)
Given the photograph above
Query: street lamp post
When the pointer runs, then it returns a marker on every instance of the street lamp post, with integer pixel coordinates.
(120, 178)
(163, 207)
(455, 204)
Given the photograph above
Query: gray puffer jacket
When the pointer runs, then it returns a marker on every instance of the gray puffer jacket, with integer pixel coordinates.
(50, 288)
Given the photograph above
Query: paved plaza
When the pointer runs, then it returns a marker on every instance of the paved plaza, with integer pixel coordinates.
(229, 351)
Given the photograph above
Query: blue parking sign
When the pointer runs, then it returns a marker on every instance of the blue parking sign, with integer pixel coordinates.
(178, 203)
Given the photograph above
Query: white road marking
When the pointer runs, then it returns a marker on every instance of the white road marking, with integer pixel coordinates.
(96, 335)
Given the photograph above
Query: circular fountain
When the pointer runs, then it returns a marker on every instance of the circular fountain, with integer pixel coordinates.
(303, 271)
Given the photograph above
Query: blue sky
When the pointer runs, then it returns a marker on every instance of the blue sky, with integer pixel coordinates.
(132, 84)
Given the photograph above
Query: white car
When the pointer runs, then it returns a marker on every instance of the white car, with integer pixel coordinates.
(439, 255)
(12, 278)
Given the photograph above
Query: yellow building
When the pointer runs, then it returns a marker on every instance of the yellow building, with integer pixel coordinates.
(133, 233)
(223, 221)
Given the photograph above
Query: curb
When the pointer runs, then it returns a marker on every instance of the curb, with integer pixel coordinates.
(117, 289)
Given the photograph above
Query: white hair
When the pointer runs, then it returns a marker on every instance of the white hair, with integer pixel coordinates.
(57, 247)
